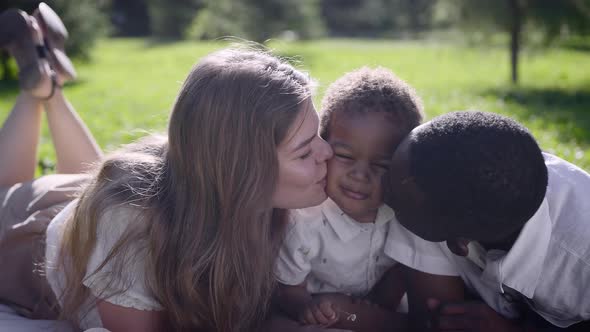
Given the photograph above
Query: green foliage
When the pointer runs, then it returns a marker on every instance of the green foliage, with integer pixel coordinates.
(171, 18)
(84, 19)
(550, 18)
(130, 86)
(217, 20)
(414, 15)
(257, 20)
(304, 18)
(130, 18)
(373, 18)
(557, 17)
(8, 70)
(356, 17)
(522, 20)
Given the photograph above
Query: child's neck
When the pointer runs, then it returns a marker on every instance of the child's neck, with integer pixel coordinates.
(367, 219)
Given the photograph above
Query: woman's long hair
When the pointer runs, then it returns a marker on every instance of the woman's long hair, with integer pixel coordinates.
(205, 224)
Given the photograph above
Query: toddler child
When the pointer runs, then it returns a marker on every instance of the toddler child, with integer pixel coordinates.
(337, 247)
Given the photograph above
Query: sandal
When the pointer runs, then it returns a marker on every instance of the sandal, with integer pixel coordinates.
(55, 35)
(16, 35)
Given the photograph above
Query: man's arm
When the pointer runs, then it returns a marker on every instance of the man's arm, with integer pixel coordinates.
(390, 290)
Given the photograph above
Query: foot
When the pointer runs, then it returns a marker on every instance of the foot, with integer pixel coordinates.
(44, 88)
(55, 34)
(23, 39)
(46, 85)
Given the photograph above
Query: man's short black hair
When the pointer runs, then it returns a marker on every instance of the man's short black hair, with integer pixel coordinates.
(484, 171)
(372, 90)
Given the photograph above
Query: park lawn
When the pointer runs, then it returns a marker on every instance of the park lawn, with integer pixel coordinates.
(129, 86)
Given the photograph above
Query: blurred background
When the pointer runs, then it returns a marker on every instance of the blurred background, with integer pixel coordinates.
(528, 59)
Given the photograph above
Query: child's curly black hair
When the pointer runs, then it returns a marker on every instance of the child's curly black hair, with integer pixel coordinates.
(372, 90)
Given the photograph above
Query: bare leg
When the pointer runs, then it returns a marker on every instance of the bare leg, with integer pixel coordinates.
(75, 147)
(19, 137)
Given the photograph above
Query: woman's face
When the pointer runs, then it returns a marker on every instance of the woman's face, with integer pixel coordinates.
(302, 164)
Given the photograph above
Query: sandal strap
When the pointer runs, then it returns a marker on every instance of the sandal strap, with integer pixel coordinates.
(41, 51)
(54, 85)
(46, 42)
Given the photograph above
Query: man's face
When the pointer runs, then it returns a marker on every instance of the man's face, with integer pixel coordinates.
(417, 212)
(409, 202)
(413, 211)
(411, 207)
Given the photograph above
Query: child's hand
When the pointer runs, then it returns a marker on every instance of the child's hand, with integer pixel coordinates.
(320, 311)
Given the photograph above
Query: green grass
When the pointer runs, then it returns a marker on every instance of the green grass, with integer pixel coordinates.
(130, 85)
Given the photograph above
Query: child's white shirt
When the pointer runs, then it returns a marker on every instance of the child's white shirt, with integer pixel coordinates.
(333, 252)
(548, 267)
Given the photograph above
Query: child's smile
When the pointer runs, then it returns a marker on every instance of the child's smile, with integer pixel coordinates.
(354, 194)
(362, 144)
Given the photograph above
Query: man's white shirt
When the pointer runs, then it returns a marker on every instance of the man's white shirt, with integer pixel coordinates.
(548, 267)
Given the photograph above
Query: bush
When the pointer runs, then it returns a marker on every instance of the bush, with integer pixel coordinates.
(257, 20)
(216, 20)
(170, 19)
(130, 18)
(86, 22)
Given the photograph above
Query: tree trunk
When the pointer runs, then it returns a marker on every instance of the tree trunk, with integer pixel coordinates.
(515, 31)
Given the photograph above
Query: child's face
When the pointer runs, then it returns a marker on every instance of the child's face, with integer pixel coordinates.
(363, 145)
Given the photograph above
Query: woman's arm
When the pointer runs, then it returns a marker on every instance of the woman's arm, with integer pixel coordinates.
(121, 319)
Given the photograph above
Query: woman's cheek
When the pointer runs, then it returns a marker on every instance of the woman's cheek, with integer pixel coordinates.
(308, 172)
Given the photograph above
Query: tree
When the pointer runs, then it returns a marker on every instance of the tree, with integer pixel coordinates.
(86, 22)
(171, 18)
(257, 20)
(377, 18)
(549, 17)
(130, 17)
(357, 18)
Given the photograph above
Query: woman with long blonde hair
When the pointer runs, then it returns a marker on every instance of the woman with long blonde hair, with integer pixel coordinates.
(174, 232)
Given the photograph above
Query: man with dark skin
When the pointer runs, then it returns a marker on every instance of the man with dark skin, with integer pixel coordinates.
(513, 220)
